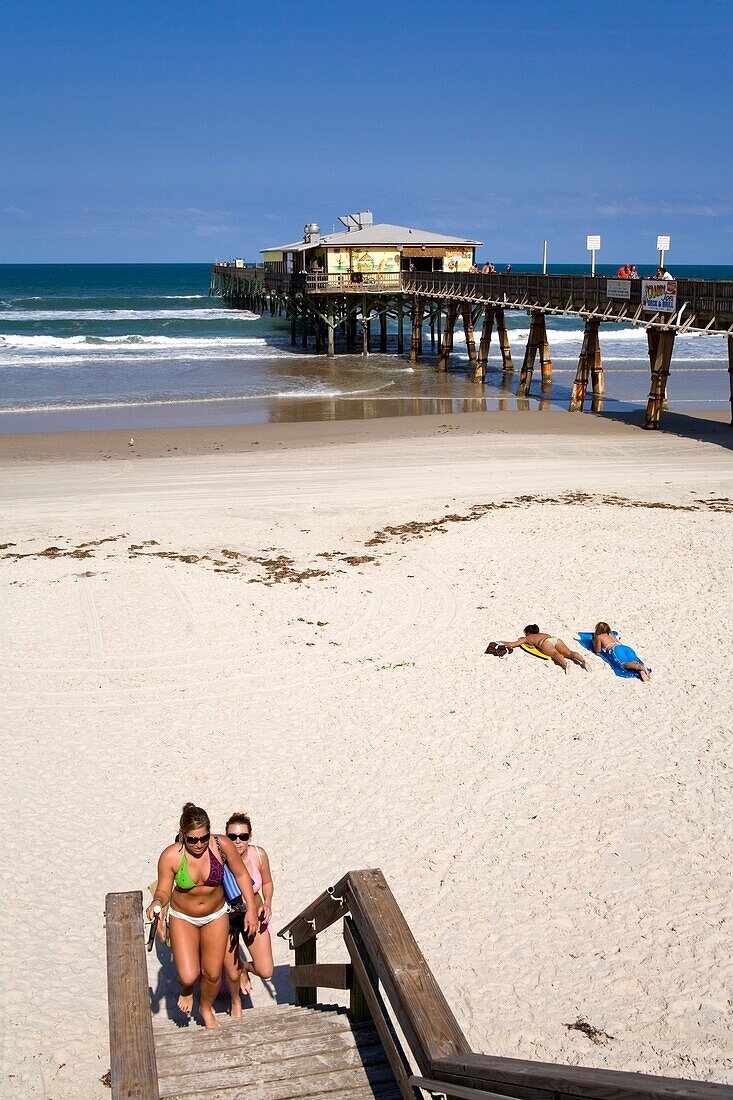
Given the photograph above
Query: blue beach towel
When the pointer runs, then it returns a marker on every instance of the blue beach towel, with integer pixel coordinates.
(586, 640)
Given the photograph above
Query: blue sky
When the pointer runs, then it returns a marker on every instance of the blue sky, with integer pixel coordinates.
(188, 131)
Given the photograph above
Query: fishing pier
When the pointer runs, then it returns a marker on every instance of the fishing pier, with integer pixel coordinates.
(333, 294)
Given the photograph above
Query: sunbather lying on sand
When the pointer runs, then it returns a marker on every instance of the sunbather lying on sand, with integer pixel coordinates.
(604, 641)
(549, 644)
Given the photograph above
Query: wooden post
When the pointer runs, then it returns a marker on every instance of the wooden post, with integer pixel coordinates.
(418, 310)
(304, 316)
(358, 1007)
(597, 376)
(400, 326)
(439, 325)
(383, 327)
(133, 1066)
(364, 326)
(432, 330)
(530, 354)
(586, 362)
(468, 330)
(306, 955)
(730, 374)
(663, 344)
(331, 332)
(544, 350)
(483, 349)
(447, 345)
(506, 351)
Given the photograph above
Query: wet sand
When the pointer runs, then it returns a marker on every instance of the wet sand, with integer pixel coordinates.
(708, 425)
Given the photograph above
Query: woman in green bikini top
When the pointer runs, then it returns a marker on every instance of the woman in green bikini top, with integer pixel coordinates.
(190, 874)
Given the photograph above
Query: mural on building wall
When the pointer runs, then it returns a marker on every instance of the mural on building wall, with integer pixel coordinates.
(367, 260)
(338, 261)
(459, 259)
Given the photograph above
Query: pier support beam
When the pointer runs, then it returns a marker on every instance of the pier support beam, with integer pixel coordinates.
(383, 328)
(365, 314)
(447, 346)
(487, 328)
(589, 362)
(400, 328)
(536, 345)
(468, 330)
(418, 311)
(330, 333)
(506, 351)
(661, 345)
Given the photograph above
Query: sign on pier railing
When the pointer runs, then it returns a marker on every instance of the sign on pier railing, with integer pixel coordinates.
(659, 295)
(618, 288)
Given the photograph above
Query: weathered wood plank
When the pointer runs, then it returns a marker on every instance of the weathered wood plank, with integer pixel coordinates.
(330, 1049)
(305, 955)
(377, 1008)
(548, 1081)
(421, 1009)
(375, 1090)
(456, 1092)
(133, 1068)
(295, 1077)
(322, 975)
(324, 911)
(237, 1031)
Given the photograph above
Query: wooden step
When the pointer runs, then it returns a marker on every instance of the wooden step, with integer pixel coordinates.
(273, 1054)
(244, 1031)
(379, 1082)
(240, 1054)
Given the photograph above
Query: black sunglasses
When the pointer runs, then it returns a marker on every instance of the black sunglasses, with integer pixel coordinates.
(197, 839)
(238, 836)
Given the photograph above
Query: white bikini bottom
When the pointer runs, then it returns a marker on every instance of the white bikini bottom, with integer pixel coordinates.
(200, 921)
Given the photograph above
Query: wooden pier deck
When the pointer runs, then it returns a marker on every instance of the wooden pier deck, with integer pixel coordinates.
(399, 1038)
(320, 305)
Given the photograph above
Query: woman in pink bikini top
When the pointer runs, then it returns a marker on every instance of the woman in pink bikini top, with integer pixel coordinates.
(238, 970)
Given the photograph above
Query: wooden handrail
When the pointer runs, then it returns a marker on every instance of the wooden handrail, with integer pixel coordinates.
(550, 1081)
(457, 1092)
(133, 1069)
(418, 1003)
(320, 914)
(383, 950)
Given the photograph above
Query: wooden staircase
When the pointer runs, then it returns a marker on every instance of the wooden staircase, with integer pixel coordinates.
(274, 1053)
(399, 1039)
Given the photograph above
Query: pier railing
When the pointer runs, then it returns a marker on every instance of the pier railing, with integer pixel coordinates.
(701, 305)
(386, 963)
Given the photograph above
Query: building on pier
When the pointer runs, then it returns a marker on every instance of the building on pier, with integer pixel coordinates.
(364, 248)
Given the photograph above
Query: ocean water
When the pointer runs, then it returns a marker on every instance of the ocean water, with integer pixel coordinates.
(88, 346)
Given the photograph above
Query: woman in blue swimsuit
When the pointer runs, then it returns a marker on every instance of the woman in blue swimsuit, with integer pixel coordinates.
(190, 874)
(604, 641)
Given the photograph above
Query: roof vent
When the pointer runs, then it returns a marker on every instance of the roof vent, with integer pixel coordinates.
(357, 221)
(312, 233)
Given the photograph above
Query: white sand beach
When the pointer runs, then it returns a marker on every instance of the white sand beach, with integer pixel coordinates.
(296, 627)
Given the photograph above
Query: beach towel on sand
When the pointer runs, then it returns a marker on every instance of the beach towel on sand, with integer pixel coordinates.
(585, 637)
